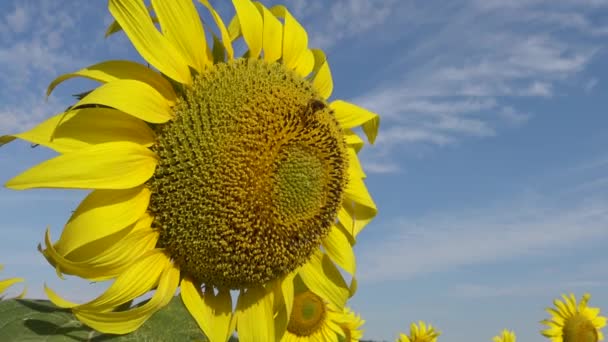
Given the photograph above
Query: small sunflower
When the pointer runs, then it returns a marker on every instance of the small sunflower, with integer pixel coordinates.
(574, 323)
(6, 283)
(315, 319)
(505, 336)
(420, 333)
(212, 173)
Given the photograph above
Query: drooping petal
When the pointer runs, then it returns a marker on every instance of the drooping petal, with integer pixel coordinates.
(102, 213)
(339, 249)
(323, 278)
(181, 25)
(350, 115)
(134, 19)
(115, 165)
(226, 41)
(353, 140)
(254, 311)
(124, 322)
(84, 127)
(252, 26)
(133, 97)
(273, 34)
(354, 166)
(322, 80)
(6, 283)
(359, 205)
(212, 312)
(295, 38)
(109, 71)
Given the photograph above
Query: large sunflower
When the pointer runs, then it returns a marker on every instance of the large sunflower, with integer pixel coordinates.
(574, 323)
(211, 173)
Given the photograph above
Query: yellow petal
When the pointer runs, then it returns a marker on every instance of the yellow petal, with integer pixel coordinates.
(353, 140)
(84, 127)
(295, 38)
(255, 315)
(252, 26)
(115, 26)
(352, 289)
(350, 115)
(134, 19)
(141, 277)
(6, 283)
(273, 35)
(5, 139)
(305, 63)
(133, 97)
(109, 71)
(107, 263)
(358, 208)
(116, 165)
(102, 213)
(323, 278)
(212, 312)
(339, 249)
(227, 42)
(283, 304)
(354, 166)
(124, 322)
(181, 25)
(322, 80)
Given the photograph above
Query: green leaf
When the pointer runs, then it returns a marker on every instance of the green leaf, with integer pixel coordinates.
(39, 320)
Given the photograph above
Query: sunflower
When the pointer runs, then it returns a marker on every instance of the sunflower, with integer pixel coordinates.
(505, 336)
(209, 172)
(420, 333)
(6, 283)
(574, 323)
(315, 319)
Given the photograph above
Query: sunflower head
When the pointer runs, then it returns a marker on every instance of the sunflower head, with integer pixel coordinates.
(421, 332)
(210, 172)
(574, 323)
(505, 336)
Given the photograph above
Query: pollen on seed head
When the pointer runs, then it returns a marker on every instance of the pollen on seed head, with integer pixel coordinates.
(250, 177)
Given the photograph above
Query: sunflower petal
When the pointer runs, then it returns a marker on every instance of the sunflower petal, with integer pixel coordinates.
(5, 139)
(84, 127)
(350, 115)
(305, 63)
(252, 26)
(353, 140)
(109, 71)
(223, 30)
(115, 165)
(295, 38)
(124, 322)
(358, 208)
(181, 25)
(6, 283)
(352, 289)
(212, 312)
(255, 314)
(133, 97)
(102, 213)
(354, 166)
(322, 80)
(339, 249)
(273, 34)
(323, 278)
(134, 19)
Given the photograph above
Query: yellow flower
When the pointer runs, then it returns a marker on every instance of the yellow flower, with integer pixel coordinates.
(211, 173)
(574, 323)
(420, 333)
(6, 283)
(315, 319)
(505, 336)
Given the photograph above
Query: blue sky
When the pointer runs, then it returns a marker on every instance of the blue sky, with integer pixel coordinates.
(490, 171)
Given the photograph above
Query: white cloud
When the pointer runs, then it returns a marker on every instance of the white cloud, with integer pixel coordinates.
(526, 226)
(17, 20)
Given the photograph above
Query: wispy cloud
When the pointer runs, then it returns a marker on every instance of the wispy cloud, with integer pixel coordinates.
(528, 225)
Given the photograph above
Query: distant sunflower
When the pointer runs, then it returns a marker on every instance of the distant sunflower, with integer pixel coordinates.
(505, 336)
(212, 174)
(6, 283)
(315, 319)
(574, 323)
(420, 333)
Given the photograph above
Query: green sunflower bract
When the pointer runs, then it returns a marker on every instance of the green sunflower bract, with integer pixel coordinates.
(209, 173)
